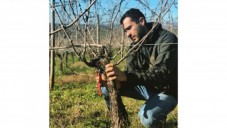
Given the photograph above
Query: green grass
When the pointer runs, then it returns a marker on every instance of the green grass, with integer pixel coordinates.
(76, 104)
(79, 106)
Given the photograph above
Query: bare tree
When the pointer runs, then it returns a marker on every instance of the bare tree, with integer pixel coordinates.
(97, 24)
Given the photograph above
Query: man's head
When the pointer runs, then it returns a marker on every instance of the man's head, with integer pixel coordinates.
(134, 24)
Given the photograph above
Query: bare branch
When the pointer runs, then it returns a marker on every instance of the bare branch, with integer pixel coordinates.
(147, 6)
(113, 19)
(75, 19)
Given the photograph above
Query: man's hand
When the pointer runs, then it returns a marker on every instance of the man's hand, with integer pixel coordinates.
(114, 73)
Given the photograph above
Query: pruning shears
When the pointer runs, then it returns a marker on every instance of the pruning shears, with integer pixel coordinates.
(99, 84)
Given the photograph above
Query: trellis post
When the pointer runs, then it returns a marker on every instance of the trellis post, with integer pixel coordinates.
(52, 52)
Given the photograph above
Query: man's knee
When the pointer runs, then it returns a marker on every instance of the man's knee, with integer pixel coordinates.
(149, 118)
(146, 119)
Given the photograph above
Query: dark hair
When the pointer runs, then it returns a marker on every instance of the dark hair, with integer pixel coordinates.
(134, 14)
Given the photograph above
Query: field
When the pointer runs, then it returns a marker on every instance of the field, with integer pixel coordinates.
(75, 103)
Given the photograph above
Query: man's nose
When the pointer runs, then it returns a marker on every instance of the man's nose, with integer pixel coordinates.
(128, 34)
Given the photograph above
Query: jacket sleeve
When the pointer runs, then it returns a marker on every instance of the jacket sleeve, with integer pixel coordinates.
(164, 68)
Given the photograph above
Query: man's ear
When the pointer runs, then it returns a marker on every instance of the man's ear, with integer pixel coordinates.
(142, 21)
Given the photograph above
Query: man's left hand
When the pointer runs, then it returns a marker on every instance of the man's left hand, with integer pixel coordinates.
(114, 73)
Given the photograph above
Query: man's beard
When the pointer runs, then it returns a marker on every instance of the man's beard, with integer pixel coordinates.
(141, 33)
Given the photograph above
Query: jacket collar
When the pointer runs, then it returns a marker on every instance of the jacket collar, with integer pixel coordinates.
(153, 35)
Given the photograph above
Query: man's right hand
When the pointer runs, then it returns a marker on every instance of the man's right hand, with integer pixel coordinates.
(103, 79)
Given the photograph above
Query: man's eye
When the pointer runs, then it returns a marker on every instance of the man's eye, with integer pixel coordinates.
(128, 28)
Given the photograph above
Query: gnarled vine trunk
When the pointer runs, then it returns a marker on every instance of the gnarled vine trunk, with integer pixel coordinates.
(119, 116)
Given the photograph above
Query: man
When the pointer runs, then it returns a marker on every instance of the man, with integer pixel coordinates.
(151, 71)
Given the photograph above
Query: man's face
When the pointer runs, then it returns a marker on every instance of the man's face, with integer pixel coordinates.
(135, 31)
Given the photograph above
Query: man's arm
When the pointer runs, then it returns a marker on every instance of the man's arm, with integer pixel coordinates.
(163, 70)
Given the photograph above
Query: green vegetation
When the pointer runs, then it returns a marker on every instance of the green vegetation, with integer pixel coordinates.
(75, 103)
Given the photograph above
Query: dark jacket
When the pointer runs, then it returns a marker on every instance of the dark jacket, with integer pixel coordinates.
(155, 65)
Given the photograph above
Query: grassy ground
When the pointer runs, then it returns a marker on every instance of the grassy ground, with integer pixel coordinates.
(74, 102)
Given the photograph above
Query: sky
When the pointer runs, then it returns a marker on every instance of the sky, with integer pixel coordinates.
(127, 4)
(105, 5)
